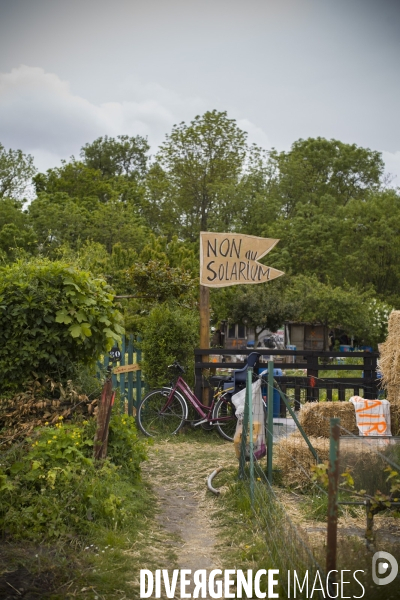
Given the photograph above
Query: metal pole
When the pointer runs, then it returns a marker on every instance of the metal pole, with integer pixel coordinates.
(333, 481)
(249, 392)
(242, 457)
(204, 307)
(270, 418)
(122, 379)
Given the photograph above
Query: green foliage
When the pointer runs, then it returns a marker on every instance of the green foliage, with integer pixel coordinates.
(195, 183)
(54, 488)
(115, 157)
(16, 235)
(169, 334)
(125, 450)
(159, 282)
(260, 306)
(16, 172)
(51, 316)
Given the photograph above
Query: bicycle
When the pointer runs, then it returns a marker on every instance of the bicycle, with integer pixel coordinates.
(165, 410)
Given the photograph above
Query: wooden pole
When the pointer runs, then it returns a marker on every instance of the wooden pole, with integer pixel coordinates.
(103, 421)
(205, 330)
(333, 484)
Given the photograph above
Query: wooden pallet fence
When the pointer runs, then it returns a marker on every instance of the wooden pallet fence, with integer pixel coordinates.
(311, 362)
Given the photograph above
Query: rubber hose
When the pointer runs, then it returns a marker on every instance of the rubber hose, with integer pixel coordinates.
(211, 477)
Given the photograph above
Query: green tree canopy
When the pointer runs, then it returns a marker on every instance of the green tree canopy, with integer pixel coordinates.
(115, 157)
(196, 180)
(52, 316)
(16, 172)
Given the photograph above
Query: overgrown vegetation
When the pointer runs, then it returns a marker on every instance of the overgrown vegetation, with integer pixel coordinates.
(52, 317)
(54, 497)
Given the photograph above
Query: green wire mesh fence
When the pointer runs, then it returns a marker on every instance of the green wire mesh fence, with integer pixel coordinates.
(365, 501)
(287, 549)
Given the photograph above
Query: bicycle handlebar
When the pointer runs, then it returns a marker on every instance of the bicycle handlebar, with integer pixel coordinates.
(177, 366)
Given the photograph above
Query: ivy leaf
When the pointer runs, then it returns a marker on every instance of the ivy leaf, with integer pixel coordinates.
(63, 317)
(105, 321)
(69, 281)
(80, 316)
(86, 331)
(75, 330)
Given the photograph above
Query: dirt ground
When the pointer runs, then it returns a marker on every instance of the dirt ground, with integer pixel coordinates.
(177, 472)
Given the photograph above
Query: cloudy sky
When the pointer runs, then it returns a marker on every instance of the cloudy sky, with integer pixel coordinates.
(72, 70)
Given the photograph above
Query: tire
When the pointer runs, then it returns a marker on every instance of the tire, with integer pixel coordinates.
(149, 418)
(226, 429)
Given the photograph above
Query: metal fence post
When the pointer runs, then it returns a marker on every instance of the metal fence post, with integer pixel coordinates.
(130, 377)
(138, 373)
(270, 418)
(245, 425)
(249, 393)
(122, 378)
(333, 482)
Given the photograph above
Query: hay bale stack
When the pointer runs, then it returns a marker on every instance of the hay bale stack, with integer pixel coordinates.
(294, 460)
(315, 417)
(389, 362)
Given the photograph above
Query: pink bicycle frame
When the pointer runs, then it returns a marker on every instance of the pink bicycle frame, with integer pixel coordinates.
(201, 409)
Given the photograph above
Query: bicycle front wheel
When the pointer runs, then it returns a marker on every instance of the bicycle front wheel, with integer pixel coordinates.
(156, 415)
(225, 411)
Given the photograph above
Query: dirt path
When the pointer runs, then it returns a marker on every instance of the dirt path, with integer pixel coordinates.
(177, 472)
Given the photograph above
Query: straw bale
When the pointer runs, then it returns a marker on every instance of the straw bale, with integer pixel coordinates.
(294, 460)
(389, 362)
(292, 457)
(315, 417)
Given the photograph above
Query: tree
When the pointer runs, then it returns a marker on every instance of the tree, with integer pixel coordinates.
(76, 180)
(314, 185)
(52, 316)
(201, 165)
(16, 234)
(115, 157)
(262, 306)
(317, 167)
(16, 172)
(370, 244)
(170, 333)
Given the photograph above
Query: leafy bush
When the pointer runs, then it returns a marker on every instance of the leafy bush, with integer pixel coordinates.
(52, 315)
(169, 334)
(54, 488)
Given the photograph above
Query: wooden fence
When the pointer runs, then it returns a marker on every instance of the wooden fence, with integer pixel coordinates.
(130, 384)
(312, 362)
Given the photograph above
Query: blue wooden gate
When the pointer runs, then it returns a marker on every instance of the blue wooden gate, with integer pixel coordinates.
(129, 384)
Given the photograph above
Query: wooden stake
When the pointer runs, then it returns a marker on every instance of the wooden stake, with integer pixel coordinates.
(205, 330)
(103, 421)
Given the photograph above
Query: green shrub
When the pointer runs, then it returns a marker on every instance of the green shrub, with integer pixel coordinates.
(52, 316)
(53, 488)
(169, 334)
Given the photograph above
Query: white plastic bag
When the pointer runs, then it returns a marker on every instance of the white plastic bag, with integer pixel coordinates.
(238, 400)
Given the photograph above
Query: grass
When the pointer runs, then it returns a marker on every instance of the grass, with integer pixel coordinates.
(100, 565)
(248, 539)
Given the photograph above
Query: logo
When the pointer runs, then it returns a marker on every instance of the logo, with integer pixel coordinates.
(384, 563)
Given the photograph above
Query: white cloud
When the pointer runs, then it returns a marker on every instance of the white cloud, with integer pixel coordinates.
(41, 115)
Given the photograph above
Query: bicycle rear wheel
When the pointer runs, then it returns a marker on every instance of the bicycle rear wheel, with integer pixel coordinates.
(155, 417)
(225, 411)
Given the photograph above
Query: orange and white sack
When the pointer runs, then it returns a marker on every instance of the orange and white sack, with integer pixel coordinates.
(372, 416)
(238, 400)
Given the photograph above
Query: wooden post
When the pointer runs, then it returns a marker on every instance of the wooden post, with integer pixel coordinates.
(103, 421)
(333, 484)
(205, 331)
